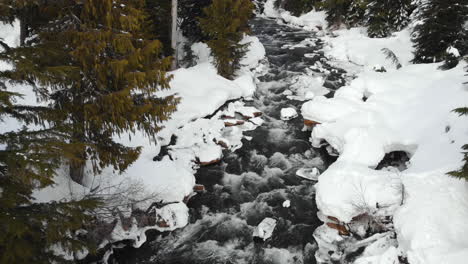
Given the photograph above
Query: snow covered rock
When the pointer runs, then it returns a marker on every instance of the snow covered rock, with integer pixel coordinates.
(171, 216)
(265, 229)
(311, 174)
(287, 204)
(288, 113)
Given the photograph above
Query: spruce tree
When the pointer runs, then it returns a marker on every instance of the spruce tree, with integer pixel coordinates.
(337, 12)
(98, 66)
(462, 173)
(28, 160)
(442, 26)
(189, 13)
(225, 23)
(386, 16)
(296, 7)
(159, 24)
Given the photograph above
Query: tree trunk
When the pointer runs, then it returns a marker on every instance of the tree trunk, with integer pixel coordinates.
(174, 33)
(23, 30)
(77, 170)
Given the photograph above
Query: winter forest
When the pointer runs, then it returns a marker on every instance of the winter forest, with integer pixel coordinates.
(234, 131)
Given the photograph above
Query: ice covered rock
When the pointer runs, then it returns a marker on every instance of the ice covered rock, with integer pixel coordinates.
(265, 229)
(308, 173)
(288, 113)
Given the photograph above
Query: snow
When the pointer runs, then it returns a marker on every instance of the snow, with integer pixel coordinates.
(353, 45)
(286, 204)
(308, 173)
(453, 51)
(314, 20)
(288, 113)
(265, 229)
(407, 109)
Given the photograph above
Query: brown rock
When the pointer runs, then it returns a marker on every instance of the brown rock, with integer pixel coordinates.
(333, 219)
(199, 188)
(257, 114)
(162, 223)
(207, 163)
(233, 123)
(222, 144)
(341, 228)
(310, 123)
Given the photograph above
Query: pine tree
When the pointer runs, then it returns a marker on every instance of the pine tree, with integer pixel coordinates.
(189, 12)
(100, 69)
(296, 7)
(386, 16)
(337, 12)
(28, 161)
(225, 23)
(463, 171)
(356, 12)
(442, 26)
(158, 23)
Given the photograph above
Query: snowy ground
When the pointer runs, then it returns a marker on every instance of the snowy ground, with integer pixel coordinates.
(409, 110)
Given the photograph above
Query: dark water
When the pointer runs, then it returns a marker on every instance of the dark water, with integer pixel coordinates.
(253, 182)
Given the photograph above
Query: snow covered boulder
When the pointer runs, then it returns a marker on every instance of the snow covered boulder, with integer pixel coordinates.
(171, 216)
(265, 229)
(311, 174)
(288, 113)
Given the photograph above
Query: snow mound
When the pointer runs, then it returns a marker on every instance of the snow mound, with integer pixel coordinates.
(288, 113)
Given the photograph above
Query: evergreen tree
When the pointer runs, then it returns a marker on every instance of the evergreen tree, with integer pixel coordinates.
(296, 7)
(159, 12)
(356, 12)
(97, 66)
(337, 12)
(28, 159)
(387, 16)
(189, 13)
(442, 26)
(463, 171)
(225, 23)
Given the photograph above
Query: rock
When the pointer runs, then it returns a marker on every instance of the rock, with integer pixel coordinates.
(207, 163)
(310, 174)
(288, 113)
(162, 223)
(333, 219)
(341, 228)
(310, 123)
(257, 114)
(222, 144)
(265, 229)
(287, 204)
(199, 188)
(233, 123)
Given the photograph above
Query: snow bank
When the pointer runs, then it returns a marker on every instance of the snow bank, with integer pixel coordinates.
(314, 20)
(409, 110)
(355, 46)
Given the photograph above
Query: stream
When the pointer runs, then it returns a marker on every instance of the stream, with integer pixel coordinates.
(254, 182)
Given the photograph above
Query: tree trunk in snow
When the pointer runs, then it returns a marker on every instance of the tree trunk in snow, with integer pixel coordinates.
(23, 30)
(174, 33)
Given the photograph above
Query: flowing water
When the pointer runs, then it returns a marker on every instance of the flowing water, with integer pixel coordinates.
(253, 182)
